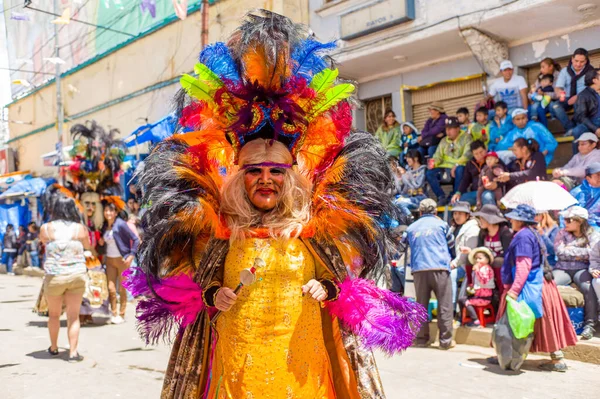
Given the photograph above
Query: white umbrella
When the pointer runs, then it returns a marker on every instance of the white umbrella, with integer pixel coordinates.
(541, 195)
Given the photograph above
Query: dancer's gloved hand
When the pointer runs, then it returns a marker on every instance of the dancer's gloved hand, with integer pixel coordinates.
(315, 290)
(225, 299)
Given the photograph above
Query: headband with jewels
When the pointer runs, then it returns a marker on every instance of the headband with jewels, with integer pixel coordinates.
(276, 85)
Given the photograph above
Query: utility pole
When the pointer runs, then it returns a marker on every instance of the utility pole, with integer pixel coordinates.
(204, 34)
(60, 112)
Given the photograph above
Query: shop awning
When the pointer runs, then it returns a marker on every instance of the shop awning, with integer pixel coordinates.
(152, 132)
(28, 187)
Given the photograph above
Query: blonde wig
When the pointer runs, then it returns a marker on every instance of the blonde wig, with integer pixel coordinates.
(292, 211)
(98, 217)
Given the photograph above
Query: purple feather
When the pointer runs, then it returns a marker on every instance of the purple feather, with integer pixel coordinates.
(171, 302)
(309, 58)
(218, 59)
(381, 318)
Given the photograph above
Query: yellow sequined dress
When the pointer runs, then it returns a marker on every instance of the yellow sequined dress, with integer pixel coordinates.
(270, 344)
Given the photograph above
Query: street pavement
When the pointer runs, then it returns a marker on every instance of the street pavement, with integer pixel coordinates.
(118, 365)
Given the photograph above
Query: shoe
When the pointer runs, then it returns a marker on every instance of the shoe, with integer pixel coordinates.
(10, 274)
(443, 201)
(422, 344)
(473, 324)
(493, 360)
(53, 352)
(117, 320)
(588, 333)
(75, 359)
(451, 345)
(568, 133)
(560, 367)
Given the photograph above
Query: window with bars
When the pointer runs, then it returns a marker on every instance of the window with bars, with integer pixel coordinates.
(375, 111)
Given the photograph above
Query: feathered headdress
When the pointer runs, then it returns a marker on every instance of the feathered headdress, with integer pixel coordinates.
(273, 81)
(96, 159)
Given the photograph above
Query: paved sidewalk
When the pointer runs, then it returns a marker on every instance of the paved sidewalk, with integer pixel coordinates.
(118, 365)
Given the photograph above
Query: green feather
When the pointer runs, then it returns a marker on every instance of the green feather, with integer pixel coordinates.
(333, 96)
(208, 76)
(324, 80)
(196, 88)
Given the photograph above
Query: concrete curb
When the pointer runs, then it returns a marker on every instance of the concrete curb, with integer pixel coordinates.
(584, 351)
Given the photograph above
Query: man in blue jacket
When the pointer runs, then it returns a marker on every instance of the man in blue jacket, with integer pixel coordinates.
(430, 242)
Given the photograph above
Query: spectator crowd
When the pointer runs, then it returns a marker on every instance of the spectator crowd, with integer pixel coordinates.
(486, 252)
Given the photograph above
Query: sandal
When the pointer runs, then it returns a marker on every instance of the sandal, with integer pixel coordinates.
(559, 367)
(75, 359)
(53, 352)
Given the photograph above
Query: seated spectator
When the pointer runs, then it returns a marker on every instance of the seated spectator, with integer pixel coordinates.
(463, 117)
(530, 165)
(548, 228)
(528, 130)
(389, 134)
(541, 97)
(548, 67)
(481, 290)
(480, 129)
(569, 84)
(587, 194)
(511, 88)
(465, 230)
(595, 272)
(449, 159)
(409, 140)
(494, 235)
(412, 183)
(573, 172)
(587, 107)
(493, 167)
(431, 241)
(467, 190)
(434, 130)
(501, 125)
(573, 245)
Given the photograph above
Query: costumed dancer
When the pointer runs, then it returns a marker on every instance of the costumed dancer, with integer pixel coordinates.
(269, 213)
(94, 172)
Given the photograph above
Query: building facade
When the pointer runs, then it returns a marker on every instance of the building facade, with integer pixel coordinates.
(128, 85)
(407, 53)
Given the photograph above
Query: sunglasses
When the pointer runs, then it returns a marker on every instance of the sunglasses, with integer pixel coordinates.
(569, 220)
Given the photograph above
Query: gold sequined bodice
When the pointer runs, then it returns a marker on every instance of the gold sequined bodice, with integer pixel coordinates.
(270, 344)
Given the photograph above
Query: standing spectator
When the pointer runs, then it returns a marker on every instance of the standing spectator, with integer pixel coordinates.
(587, 107)
(528, 130)
(22, 247)
(494, 235)
(530, 165)
(501, 125)
(133, 206)
(480, 129)
(573, 172)
(569, 84)
(548, 229)
(389, 135)
(431, 241)
(465, 230)
(9, 250)
(32, 244)
(493, 167)
(119, 246)
(467, 190)
(547, 67)
(573, 246)
(434, 129)
(511, 88)
(408, 141)
(412, 182)
(66, 239)
(587, 194)
(449, 159)
(463, 117)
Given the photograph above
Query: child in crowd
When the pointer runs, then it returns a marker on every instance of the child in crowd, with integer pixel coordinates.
(463, 118)
(493, 167)
(408, 141)
(481, 291)
(541, 96)
(480, 130)
(500, 126)
(412, 179)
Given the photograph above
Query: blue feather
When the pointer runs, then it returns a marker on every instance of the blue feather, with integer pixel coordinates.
(218, 58)
(309, 59)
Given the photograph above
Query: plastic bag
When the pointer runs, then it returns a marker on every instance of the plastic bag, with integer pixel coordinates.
(511, 351)
(520, 317)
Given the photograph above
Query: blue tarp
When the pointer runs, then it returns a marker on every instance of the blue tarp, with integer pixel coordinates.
(15, 214)
(153, 132)
(35, 187)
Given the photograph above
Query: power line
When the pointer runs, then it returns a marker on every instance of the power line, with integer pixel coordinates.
(10, 8)
(21, 70)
